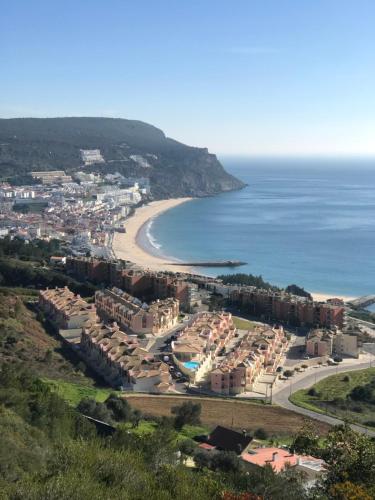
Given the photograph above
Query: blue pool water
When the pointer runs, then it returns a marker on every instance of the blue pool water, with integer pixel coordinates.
(191, 365)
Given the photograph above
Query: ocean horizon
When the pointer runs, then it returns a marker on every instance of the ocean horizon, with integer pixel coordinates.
(308, 221)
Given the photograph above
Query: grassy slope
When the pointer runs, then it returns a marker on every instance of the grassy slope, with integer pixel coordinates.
(335, 387)
(73, 392)
(24, 339)
(242, 324)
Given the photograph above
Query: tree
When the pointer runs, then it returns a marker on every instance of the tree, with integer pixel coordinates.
(202, 459)
(297, 290)
(120, 408)
(261, 433)
(93, 409)
(187, 413)
(306, 441)
(225, 461)
(48, 356)
(135, 418)
(187, 447)
(18, 308)
(348, 491)
(350, 457)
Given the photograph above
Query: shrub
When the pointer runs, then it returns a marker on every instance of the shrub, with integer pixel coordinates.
(346, 378)
(188, 413)
(261, 433)
(313, 392)
(357, 409)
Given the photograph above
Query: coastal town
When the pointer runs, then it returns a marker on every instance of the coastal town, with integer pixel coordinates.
(147, 327)
(187, 234)
(159, 328)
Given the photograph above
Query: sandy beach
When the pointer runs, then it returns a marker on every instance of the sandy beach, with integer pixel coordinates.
(126, 246)
(322, 297)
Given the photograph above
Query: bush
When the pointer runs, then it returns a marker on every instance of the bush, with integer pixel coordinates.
(225, 461)
(346, 378)
(357, 409)
(313, 392)
(188, 413)
(202, 459)
(261, 433)
(187, 447)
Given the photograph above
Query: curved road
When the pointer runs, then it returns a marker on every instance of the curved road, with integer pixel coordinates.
(313, 375)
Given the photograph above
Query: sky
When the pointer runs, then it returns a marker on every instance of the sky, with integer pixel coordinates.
(245, 77)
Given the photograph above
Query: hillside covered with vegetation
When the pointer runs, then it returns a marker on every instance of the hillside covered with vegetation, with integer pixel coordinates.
(349, 396)
(50, 450)
(174, 169)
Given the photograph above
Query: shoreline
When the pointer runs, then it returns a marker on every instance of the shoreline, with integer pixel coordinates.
(134, 245)
(129, 245)
(323, 297)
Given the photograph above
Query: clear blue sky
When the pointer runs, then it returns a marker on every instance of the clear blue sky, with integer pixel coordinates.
(237, 76)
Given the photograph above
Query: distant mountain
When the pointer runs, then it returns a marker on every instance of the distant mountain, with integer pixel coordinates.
(130, 147)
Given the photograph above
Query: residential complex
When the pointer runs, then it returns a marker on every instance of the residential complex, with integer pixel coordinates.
(258, 352)
(291, 309)
(200, 342)
(133, 315)
(323, 342)
(65, 309)
(143, 284)
(51, 176)
(91, 156)
(120, 360)
(117, 356)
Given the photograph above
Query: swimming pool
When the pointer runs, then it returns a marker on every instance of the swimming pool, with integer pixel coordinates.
(191, 365)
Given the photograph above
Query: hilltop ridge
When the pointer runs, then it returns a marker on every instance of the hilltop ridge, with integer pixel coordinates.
(130, 147)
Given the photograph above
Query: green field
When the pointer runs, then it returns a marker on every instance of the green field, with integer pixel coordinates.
(242, 324)
(331, 396)
(73, 393)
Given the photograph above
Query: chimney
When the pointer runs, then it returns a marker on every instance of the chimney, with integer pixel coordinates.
(275, 456)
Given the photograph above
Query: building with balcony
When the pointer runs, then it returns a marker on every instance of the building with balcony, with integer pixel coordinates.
(135, 316)
(65, 309)
(120, 360)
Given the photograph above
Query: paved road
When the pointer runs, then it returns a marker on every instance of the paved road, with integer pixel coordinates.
(313, 375)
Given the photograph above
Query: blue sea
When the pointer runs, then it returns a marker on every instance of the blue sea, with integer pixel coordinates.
(304, 221)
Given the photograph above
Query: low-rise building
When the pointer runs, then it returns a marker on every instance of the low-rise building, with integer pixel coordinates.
(258, 352)
(280, 459)
(120, 360)
(291, 309)
(322, 342)
(65, 309)
(224, 439)
(52, 176)
(133, 315)
(199, 343)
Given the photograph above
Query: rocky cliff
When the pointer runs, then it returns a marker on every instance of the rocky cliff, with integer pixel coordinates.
(130, 147)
